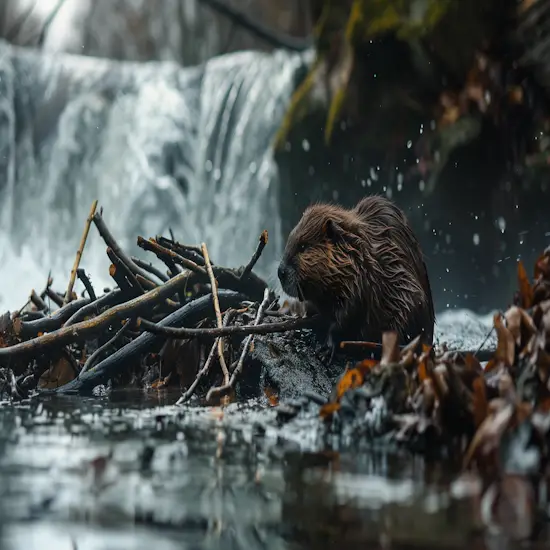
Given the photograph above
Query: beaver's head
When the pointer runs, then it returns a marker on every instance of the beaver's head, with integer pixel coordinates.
(322, 254)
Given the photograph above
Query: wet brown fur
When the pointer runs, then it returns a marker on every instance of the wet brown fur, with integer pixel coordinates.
(362, 268)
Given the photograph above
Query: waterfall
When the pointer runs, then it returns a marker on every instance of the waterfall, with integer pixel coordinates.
(159, 146)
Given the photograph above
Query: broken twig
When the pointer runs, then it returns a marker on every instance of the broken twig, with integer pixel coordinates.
(68, 295)
(214, 286)
(223, 390)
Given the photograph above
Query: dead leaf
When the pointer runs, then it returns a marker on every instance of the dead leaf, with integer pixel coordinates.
(161, 382)
(480, 403)
(489, 432)
(525, 288)
(272, 396)
(505, 351)
(61, 371)
(329, 409)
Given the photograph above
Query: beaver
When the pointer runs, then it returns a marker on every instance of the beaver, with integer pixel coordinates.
(362, 269)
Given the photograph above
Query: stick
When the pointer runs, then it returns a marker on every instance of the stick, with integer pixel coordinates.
(214, 286)
(125, 270)
(111, 242)
(266, 328)
(84, 329)
(81, 274)
(190, 313)
(27, 329)
(223, 390)
(229, 315)
(101, 350)
(54, 296)
(254, 260)
(107, 300)
(190, 252)
(164, 253)
(37, 301)
(150, 268)
(69, 292)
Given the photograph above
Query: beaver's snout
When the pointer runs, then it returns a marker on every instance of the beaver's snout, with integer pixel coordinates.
(288, 277)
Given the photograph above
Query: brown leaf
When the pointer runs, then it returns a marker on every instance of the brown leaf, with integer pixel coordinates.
(542, 266)
(472, 363)
(505, 351)
(480, 403)
(489, 432)
(525, 288)
(61, 371)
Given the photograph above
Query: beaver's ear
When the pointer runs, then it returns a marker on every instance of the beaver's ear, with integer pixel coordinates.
(333, 230)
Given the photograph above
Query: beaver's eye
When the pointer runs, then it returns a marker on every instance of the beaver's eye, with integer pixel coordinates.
(302, 247)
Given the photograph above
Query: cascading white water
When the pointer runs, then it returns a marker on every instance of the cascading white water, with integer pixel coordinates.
(158, 145)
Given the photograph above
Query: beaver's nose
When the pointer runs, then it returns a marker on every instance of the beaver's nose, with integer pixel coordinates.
(281, 272)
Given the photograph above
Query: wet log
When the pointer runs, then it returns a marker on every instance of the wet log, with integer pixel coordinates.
(189, 314)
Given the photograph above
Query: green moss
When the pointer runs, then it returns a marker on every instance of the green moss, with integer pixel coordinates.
(299, 104)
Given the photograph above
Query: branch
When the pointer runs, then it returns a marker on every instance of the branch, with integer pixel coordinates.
(265, 328)
(111, 242)
(190, 313)
(214, 286)
(105, 347)
(254, 260)
(68, 295)
(225, 389)
(229, 315)
(85, 329)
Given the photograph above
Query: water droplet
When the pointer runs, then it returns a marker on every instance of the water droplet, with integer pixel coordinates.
(501, 224)
(409, 144)
(217, 174)
(389, 193)
(421, 185)
(305, 145)
(363, 183)
(253, 167)
(369, 182)
(208, 165)
(476, 239)
(335, 195)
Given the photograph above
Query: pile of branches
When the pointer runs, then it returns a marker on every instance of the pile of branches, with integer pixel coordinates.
(135, 335)
(495, 418)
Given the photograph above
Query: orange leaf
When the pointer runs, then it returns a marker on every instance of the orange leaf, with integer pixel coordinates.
(352, 378)
(366, 365)
(525, 288)
(272, 396)
(161, 382)
(329, 409)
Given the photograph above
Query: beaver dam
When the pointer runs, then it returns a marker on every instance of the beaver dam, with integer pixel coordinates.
(191, 403)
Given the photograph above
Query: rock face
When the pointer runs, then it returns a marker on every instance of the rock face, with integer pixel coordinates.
(160, 147)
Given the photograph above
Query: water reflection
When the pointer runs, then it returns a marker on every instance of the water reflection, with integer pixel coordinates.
(134, 472)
